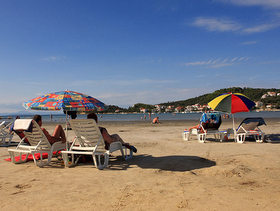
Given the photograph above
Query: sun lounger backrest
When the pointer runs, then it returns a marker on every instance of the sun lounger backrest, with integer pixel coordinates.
(247, 126)
(211, 121)
(2, 124)
(2, 127)
(88, 133)
(22, 124)
(250, 123)
(36, 136)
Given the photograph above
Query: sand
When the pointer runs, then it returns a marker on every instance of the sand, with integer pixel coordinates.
(167, 173)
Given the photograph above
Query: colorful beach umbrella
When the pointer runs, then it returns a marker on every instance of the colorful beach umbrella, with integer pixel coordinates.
(232, 103)
(66, 100)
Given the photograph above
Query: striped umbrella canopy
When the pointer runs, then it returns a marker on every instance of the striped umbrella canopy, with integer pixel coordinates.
(232, 103)
(66, 100)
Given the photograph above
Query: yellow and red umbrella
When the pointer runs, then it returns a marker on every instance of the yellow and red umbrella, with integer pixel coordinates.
(232, 103)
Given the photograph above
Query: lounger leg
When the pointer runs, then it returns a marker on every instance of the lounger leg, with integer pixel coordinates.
(12, 155)
(10, 139)
(186, 136)
(221, 136)
(40, 162)
(240, 138)
(125, 154)
(217, 137)
(259, 138)
(50, 156)
(98, 162)
(201, 137)
(67, 163)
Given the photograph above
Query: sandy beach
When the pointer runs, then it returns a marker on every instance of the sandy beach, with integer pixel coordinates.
(167, 173)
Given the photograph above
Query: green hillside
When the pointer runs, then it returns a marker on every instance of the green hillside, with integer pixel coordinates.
(253, 94)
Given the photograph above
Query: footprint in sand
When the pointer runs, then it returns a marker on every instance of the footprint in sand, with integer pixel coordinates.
(126, 192)
(241, 170)
(250, 183)
(20, 188)
(183, 204)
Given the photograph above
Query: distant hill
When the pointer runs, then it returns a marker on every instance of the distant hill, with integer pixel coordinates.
(254, 94)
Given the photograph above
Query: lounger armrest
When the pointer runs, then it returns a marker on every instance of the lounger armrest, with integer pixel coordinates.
(58, 146)
(115, 146)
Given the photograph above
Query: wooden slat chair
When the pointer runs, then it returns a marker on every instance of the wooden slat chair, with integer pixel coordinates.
(38, 143)
(89, 141)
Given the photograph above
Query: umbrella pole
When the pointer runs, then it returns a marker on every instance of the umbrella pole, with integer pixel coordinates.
(66, 131)
(233, 126)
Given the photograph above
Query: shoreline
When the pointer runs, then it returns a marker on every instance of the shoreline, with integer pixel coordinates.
(148, 122)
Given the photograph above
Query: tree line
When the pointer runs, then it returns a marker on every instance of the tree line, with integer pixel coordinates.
(254, 94)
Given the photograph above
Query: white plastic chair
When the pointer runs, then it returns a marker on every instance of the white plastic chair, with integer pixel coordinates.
(250, 127)
(5, 134)
(202, 132)
(89, 141)
(38, 143)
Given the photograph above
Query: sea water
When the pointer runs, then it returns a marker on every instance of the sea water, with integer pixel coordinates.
(60, 117)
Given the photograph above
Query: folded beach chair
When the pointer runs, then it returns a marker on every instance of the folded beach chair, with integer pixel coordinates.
(89, 141)
(38, 143)
(250, 127)
(6, 135)
(209, 125)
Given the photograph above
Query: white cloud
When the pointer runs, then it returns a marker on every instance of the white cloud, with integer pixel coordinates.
(220, 62)
(215, 24)
(263, 3)
(54, 58)
(260, 28)
(227, 25)
(249, 43)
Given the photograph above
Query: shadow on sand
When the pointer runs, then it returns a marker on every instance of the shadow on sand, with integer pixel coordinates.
(269, 138)
(272, 138)
(177, 163)
(167, 163)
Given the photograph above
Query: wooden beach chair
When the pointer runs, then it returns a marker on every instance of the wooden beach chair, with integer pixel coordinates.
(206, 128)
(89, 141)
(250, 127)
(6, 135)
(38, 143)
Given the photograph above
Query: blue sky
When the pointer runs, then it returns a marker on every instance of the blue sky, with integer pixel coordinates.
(129, 51)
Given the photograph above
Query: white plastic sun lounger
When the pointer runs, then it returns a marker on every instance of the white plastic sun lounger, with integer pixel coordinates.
(250, 127)
(205, 130)
(38, 143)
(89, 141)
(5, 134)
(202, 133)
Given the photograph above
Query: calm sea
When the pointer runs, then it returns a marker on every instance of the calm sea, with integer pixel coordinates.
(141, 117)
